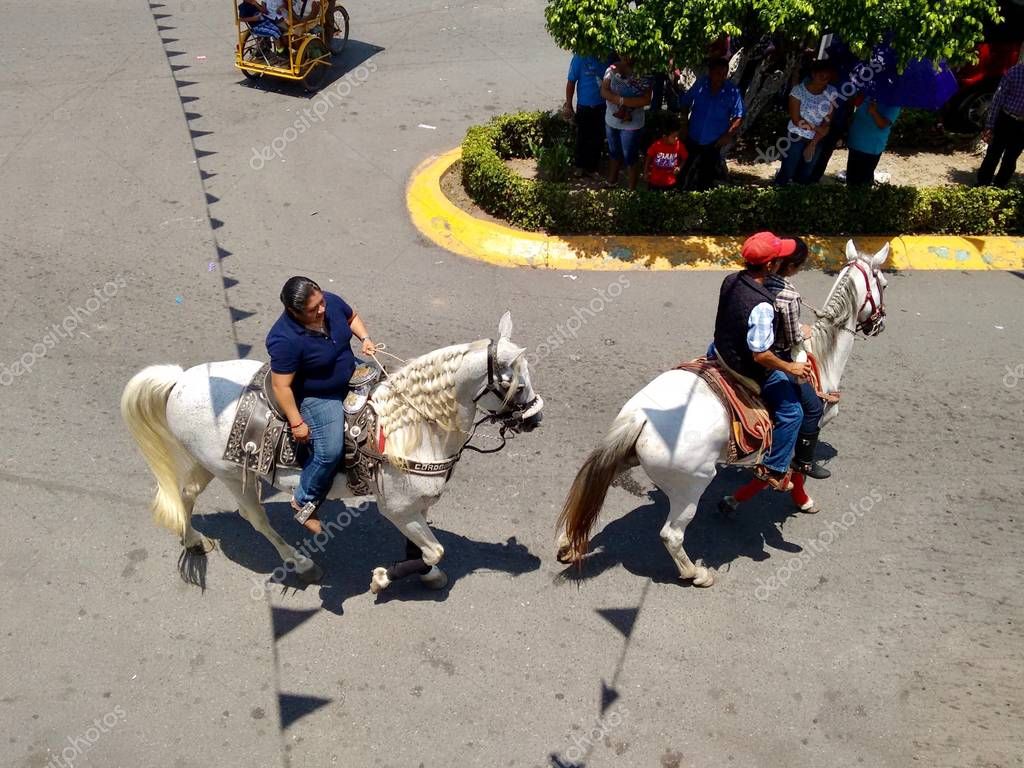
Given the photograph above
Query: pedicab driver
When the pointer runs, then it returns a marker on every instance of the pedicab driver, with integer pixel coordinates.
(745, 330)
(311, 362)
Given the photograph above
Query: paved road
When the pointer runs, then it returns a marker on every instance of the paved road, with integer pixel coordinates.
(128, 168)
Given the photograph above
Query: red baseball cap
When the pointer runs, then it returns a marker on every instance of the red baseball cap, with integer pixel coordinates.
(765, 246)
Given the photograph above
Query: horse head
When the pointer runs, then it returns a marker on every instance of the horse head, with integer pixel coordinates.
(504, 389)
(870, 317)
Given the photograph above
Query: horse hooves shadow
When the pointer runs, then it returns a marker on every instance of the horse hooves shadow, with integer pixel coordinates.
(633, 541)
(351, 554)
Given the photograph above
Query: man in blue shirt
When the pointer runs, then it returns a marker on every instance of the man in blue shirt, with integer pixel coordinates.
(585, 75)
(713, 112)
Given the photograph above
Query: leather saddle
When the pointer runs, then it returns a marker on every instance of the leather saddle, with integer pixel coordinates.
(261, 441)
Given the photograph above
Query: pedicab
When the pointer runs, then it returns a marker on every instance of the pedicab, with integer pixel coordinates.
(298, 47)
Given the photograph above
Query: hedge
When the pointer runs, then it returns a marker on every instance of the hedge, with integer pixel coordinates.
(539, 205)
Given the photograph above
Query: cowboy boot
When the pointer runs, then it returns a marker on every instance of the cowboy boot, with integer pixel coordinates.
(777, 481)
(803, 457)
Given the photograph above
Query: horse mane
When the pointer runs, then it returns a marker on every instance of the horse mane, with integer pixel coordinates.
(422, 391)
(839, 306)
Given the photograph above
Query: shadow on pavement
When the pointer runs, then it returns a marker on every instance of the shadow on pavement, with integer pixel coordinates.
(355, 54)
(349, 557)
(634, 542)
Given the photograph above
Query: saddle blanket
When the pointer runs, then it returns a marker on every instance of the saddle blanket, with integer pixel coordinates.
(751, 423)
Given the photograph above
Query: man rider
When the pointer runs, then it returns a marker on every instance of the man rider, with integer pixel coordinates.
(745, 328)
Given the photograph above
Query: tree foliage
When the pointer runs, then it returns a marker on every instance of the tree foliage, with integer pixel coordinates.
(652, 31)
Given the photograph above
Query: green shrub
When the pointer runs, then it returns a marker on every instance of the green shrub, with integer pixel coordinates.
(822, 209)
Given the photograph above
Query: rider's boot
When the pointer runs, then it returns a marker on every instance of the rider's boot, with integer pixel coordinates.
(803, 458)
(777, 481)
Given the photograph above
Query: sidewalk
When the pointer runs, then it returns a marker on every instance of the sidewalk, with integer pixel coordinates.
(438, 219)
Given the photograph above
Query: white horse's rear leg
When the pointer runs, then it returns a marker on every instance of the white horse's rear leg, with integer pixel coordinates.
(684, 494)
(250, 508)
(195, 483)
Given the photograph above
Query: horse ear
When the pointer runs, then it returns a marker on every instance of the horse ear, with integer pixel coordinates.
(851, 251)
(505, 326)
(881, 257)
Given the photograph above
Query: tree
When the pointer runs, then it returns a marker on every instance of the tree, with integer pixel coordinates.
(653, 31)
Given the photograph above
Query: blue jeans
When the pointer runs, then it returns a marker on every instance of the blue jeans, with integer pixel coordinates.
(782, 397)
(623, 146)
(794, 167)
(326, 421)
(813, 408)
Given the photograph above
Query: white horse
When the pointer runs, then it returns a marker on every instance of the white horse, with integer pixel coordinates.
(427, 411)
(677, 429)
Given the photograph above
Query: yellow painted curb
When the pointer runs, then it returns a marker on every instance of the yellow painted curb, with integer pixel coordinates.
(440, 220)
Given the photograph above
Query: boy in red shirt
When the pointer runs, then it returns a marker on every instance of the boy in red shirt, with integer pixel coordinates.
(665, 158)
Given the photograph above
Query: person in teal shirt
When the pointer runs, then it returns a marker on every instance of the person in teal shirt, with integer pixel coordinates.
(869, 133)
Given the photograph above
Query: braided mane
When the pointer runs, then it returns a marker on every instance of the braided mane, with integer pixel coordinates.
(420, 392)
(839, 307)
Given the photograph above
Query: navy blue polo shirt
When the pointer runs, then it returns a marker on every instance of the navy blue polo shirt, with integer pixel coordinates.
(322, 362)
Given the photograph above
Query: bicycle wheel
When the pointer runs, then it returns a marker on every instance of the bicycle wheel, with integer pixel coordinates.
(339, 25)
(252, 50)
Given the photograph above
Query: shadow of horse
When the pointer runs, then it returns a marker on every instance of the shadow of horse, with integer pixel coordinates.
(350, 554)
(634, 542)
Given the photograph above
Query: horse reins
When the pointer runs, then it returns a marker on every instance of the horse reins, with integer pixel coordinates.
(877, 309)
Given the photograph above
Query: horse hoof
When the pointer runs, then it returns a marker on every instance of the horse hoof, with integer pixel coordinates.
(311, 575)
(435, 578)
(379, 580)
(810, 508)
(563, 555)
(704, 578)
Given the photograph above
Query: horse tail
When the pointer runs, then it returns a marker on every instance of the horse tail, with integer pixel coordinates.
(144, 409)
(586, 496)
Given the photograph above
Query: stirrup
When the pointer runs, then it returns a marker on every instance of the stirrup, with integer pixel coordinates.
(306, 511)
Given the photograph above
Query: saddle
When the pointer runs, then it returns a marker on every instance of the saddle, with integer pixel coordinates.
(751, 431)
(261, 442)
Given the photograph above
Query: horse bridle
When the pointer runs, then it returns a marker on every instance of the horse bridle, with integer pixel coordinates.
(498, 386)
(873, 325)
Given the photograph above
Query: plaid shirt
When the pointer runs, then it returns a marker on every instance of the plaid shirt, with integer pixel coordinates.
(787, 304)
(1010, 95)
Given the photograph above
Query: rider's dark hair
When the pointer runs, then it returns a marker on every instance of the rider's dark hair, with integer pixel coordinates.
(296, 293)
(799, 256)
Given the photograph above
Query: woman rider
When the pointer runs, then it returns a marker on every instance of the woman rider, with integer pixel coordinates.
(311, 362)
(792, 332)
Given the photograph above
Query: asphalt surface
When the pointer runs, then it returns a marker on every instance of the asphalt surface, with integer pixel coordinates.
(900, 643)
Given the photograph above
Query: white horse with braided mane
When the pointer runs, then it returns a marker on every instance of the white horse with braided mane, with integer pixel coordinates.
(677, 429)
(427, 410)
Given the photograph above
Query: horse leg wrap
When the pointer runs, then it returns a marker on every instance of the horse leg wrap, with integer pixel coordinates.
(750, 490)
(407, 568)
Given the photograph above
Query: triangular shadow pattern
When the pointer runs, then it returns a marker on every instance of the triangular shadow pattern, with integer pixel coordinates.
(243, 350)
(237, 315)
(287, 619)
(608, 696)
(294, 708)
(622, 619)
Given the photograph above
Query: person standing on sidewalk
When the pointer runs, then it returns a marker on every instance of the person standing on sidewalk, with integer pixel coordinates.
(1004, 130)
(713, 112)
(585, 75)
(869, 135)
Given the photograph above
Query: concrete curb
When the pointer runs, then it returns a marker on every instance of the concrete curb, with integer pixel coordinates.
(441, 221)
